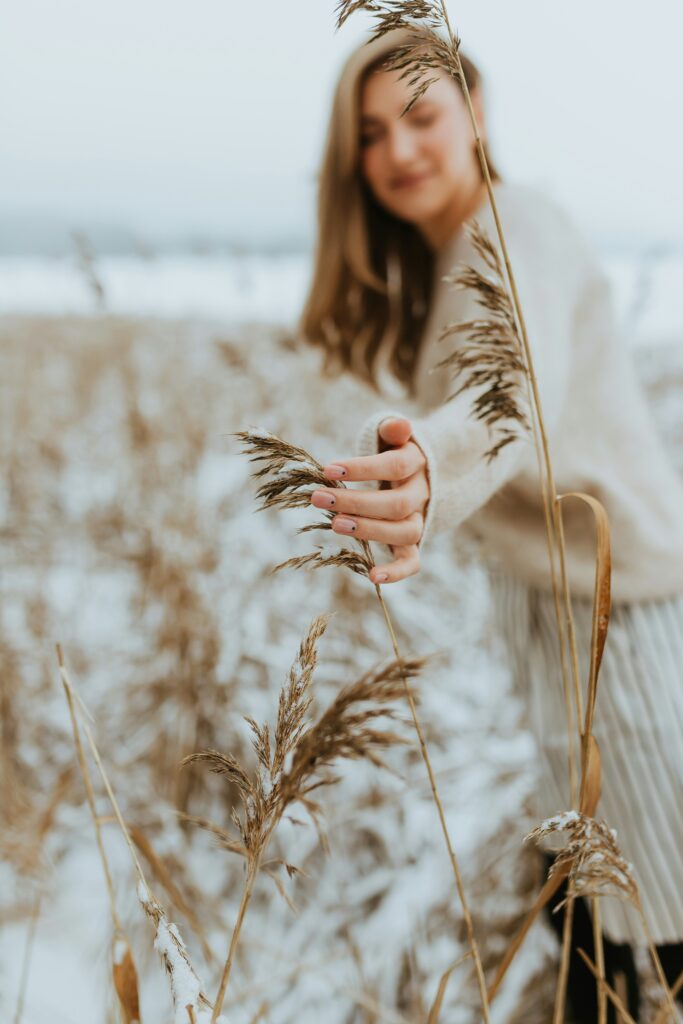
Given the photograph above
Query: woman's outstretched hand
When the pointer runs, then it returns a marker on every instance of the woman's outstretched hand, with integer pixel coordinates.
(393, 515)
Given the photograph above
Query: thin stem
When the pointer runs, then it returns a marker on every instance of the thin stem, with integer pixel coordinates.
(90, 793)
(71, 692)
(551, 541)
(605, 987)
(551, 504)
(550, 496)
(563, 974)
(442, 818)
(225, 977)
(26, 961)
(658, 965)
(600, 961)
(252, 872)
(98, 761)
(660, 1016)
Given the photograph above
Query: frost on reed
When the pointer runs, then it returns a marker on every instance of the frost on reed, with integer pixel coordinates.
(295, 474)
(295, 759)
(190, 1003)
(492, 358)
(596, 866)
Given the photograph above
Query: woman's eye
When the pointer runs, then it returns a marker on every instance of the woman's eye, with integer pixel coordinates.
(418, 120)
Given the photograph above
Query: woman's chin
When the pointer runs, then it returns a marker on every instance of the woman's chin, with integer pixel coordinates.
(416, 211)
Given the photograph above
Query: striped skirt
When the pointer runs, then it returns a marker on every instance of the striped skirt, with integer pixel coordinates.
(638, 725)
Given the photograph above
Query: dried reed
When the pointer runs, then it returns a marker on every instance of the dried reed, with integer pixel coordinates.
(492, 358)
(596, 867)
(295, 474)
(606, 988)
(425, 50)
(189, 1001)
(163, 873)
(296, 759)
(124, 973)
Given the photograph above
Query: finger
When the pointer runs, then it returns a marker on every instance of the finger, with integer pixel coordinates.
(394, 503)
(401, 533)
(407, 563)
(395, 430)
(417, 489)
(396, 464)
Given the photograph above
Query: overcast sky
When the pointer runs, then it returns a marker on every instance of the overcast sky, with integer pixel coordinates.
(209, 117)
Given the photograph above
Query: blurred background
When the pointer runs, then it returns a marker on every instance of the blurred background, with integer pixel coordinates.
(157, 218)
(183, 145)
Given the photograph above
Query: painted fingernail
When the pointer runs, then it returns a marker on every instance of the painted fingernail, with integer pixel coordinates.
(343, 525)
(323, 499)
(334, 471)
(381, 577)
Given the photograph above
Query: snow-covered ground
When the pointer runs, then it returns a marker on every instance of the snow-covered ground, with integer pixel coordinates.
(130, 536)
(246, 287)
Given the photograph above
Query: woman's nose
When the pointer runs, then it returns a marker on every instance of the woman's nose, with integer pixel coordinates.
(402, 146)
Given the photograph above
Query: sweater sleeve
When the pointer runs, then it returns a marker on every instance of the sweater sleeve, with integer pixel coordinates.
(546, 258)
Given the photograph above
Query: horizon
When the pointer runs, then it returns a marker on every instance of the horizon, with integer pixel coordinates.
(182, 127)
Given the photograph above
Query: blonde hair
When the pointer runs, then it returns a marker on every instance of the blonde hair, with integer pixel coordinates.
(373, 273)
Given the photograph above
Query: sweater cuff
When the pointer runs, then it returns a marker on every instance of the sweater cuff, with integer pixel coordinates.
(367, 443)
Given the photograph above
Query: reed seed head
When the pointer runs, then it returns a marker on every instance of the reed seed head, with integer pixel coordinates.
(296, 758)
(424, 50)
(597, 865)
(491, 360)
(294, 475)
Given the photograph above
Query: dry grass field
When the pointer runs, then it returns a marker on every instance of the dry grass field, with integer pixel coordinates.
(130, 537)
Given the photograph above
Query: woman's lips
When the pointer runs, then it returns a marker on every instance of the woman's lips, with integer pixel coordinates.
(410, 181)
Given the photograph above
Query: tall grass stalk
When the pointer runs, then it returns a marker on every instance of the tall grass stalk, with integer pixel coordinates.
(26, 959)
(294, 474)
(184, 982)
(296, 759)
(469, 924)
(599, 960)
(401, 13)
(89, 792)
(124, 972)
(421, 17)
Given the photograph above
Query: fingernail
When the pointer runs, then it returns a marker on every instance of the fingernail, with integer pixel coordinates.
(381, 577)
(334, 471)
(343, 525)
(323, 499)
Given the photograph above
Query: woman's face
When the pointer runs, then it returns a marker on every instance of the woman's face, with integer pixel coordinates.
(423, 166)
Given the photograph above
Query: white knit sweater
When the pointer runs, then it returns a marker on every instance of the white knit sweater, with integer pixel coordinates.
(601, 434)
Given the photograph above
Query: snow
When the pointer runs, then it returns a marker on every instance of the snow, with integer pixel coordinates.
(118, 547)
(271, 289)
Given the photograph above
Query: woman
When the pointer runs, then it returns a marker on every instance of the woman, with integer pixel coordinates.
(394, 194)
